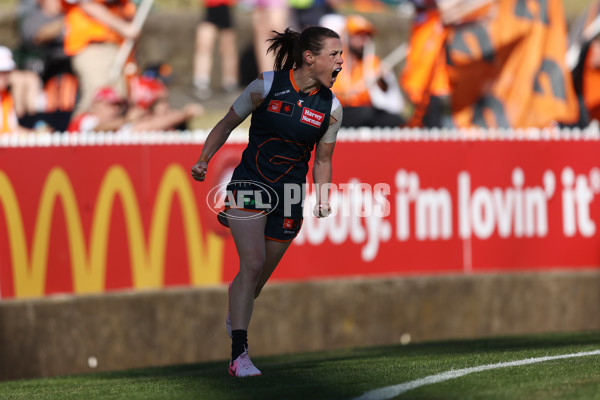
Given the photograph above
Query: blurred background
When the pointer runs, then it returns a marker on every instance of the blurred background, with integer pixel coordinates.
(189, 54)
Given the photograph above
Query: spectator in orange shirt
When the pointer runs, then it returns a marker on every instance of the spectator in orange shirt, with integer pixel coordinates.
(9, 122)
(370, 96)
(42, 51)
(425, 78)
(94, 31)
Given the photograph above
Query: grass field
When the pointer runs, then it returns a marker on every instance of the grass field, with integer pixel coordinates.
(355, 373)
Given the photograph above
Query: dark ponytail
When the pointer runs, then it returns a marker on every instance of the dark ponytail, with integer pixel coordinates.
(289, 46)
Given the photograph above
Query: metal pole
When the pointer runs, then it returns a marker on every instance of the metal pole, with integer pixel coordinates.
(127, 46)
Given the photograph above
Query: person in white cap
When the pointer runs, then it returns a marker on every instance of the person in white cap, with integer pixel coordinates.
(7, 63)
(8, 115)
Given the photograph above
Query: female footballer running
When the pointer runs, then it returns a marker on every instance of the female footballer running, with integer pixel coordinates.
(293, 110)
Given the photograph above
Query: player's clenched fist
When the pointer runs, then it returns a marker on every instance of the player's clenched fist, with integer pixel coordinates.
(199, 170)
(322, 210)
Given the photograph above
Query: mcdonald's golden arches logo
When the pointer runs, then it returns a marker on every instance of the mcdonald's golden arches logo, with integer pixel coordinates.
(88, 260)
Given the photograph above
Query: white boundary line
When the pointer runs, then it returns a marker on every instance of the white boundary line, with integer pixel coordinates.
(389, 392)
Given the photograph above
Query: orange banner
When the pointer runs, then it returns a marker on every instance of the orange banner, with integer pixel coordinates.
(505, 69)
(90, 219)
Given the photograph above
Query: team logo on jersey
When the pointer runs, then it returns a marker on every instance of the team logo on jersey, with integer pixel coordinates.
(281, 107)
(312, 117)
(291, 224)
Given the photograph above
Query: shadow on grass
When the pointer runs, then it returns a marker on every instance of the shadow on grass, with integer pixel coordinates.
(331, 375)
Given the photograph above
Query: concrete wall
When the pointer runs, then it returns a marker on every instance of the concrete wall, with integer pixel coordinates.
(58, 335)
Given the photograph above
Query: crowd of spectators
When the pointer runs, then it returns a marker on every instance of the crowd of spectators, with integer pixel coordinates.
(467, 63)
(61, 76)
(457, 69)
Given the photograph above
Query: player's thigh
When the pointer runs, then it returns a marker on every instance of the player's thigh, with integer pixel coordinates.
(274, 252)
(248, 232)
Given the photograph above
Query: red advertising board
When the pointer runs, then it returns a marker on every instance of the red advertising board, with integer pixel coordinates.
(93, 218)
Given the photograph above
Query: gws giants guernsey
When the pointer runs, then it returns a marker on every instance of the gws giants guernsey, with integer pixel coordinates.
(284, 130)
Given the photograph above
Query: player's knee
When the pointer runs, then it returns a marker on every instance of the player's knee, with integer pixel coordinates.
(252, 267)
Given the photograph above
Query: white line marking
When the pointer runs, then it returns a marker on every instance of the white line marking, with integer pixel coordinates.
(389, 392)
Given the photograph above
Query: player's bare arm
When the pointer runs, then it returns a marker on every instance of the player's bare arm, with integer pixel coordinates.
(322, 173)
(216, 138)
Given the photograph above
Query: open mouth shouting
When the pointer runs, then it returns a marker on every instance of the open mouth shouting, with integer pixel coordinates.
(335, 74)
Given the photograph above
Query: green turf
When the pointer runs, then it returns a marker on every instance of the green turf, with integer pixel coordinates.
(349, 373)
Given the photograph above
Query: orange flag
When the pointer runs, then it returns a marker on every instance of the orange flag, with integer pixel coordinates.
(509, 70)
(503, 66)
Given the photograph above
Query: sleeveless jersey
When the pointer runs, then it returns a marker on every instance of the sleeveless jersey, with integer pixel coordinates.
(283, 132)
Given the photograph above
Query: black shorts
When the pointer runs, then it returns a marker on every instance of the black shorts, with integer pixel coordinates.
(219, 16)
(283, 223)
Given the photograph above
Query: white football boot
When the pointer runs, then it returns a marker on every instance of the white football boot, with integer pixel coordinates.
(242, 367)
